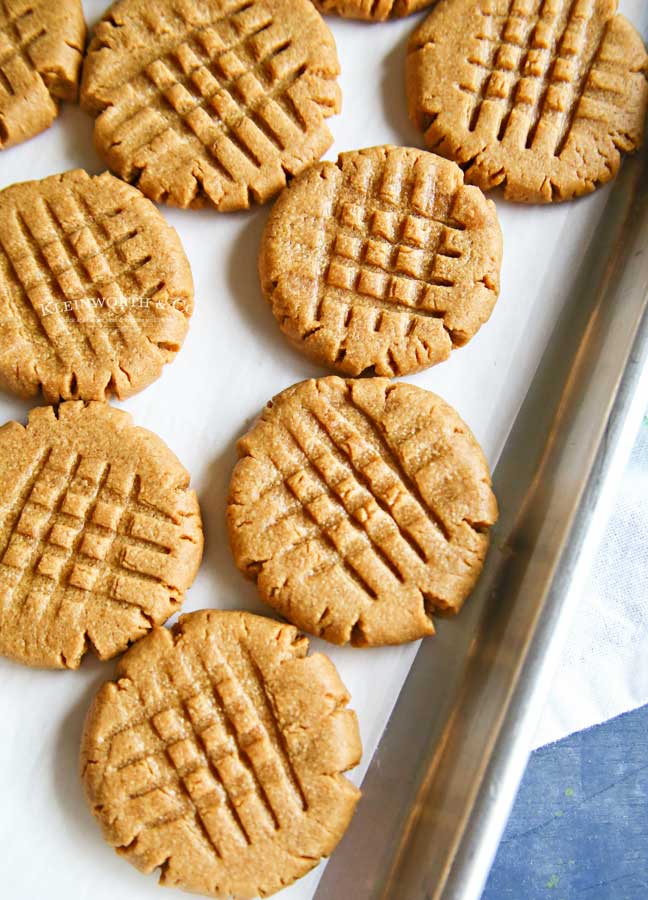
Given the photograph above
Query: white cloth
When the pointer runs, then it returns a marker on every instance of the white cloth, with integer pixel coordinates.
(604, 664)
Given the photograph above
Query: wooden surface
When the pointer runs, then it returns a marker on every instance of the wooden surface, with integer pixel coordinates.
(579, 828)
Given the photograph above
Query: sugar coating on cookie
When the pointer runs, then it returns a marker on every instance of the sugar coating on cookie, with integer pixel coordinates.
(95, 288)
(381, 263)
(360, 508)
(541, 97)
(214, 102)
(41, 51)
(216, 756)
(371, 10)
(100, 535)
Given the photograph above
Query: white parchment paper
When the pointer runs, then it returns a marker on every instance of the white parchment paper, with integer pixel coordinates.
(233, 361)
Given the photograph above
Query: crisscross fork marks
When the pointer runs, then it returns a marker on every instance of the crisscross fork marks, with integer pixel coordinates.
(333, 486)
(361, 500)
(211, 742)
(22, 311)
(45, 291)
(83, 281)
(80, 262)
(217, 88)
(318, 501)
(484, 58)
(391, 224)
(196, 71)
(177, 744)
(422, 512)
(107, 568)
(61, 565)
(22, 495)
(261, 746)
(26, 556)
(17, 47)
(387, 484)
(73, 267)
(346, 495)
(358, 464)
(275, 732)
(396, 221)
(130, 273)
(27, 315)
(532, 60)
(94, 276)
(68, 532)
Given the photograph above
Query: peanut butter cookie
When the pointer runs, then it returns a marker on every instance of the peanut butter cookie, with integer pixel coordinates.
(95, 288)
(214, 102)
(100, 536)
(360, 508)
(381, 263)
(217, 755)
(540, 97)
(41, 51)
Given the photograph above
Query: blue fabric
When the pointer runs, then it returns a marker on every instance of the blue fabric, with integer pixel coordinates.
(579, 827)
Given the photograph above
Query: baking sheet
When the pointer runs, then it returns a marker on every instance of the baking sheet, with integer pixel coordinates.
(234, 359)
(439, 788)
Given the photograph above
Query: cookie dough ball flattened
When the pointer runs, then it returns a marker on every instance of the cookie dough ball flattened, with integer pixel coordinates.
(217, 755)
(41, 51)
(360, 508)
(382, 262)
(100, 536)
(371, 10)
(215, 102)
(95, 288)
(540, 96)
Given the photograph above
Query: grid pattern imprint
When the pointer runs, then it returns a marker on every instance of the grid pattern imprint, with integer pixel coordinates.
(390, 226)
(341, 484)
(87, 255)
(77, 265)
(203, 749)
(533, 60)
(19, 33)
(391, 245)
(226, 89)
(79, 523)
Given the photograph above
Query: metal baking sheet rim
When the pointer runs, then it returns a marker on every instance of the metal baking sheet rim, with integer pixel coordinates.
(443, 779)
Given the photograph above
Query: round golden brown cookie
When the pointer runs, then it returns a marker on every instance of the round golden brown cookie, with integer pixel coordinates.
(371, 10)
(211, 102)
(100, 536)
(41, 51)
(217, 755)
(361, 507)
(539, 96)
(95, 288)
(382, 262)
